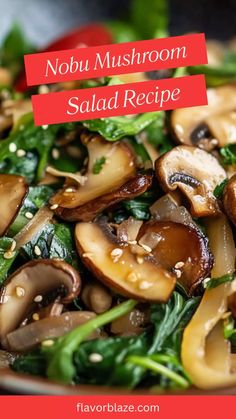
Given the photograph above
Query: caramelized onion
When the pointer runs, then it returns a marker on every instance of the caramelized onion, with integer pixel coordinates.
(27, 337)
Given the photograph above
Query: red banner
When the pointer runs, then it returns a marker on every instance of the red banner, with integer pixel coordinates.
(130, 57)
(118, 100)
(102, 407)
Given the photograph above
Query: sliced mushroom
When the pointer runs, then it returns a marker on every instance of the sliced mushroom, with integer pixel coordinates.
(229, 199)
(87, 212)
(131, 324)
(27, 337)
(31, 283)
(178, 247)
(113, 263)
(13, 191)
(195, 173)
(208, 126)
(96, 297)
(117, 168)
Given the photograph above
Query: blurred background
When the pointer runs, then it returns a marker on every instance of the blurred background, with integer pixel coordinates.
(44, 20)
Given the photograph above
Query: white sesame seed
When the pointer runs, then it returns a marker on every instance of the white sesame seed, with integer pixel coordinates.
(4, 299)
(38, 299)
(20, 292)
(21, 153)
(55, 206)
(9, 254)
(132, 277)
(116, 252)
(12, 147)
(179, 265)
(48, 342)
(45, 126)
(144, 285)
(132, 241)
(145, 247)
(55, 153)
(69, 190)
(29, 215)
(140, 260)
(37, 251)
(178, 273)
(95, 357)
(43, 89)
(35, 317)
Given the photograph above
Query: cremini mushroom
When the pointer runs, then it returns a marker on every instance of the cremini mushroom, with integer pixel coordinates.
(38, 278)
(119, 266)
(13, 191)
(208, 126)
(229, 199)
(88, 211)
(110, 167)
(178, 247)
(195, 173)
(96, 297)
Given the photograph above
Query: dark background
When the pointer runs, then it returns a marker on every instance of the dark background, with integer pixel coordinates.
(43, 20)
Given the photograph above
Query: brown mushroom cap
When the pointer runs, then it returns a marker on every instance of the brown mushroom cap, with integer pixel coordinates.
(212, 125)
(87, 212)
(113, 263)
(195, 173)
(117, 169)
(229, 199)
(181, 248)
(13, 190)
(35, 278)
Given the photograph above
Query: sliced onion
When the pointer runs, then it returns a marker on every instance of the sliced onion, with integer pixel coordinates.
(128, 230)
(27, 337)
(193, 352)
(222, 245)
(218, 349)
(42, 217)
(167, 209)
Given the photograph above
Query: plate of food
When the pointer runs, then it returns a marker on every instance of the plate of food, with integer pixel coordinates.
(117, 244)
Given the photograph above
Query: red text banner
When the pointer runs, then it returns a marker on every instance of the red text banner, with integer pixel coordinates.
(116, 407)
(115, 59)
(118, 100)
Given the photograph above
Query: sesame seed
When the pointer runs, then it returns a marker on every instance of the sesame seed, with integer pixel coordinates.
(45, 126)
(43, 89)
(12, 147)
(38, 299)
(37, 251)
(20, 292)
(55, 206)
(145, 247)
(9, 254)
(48, 342)
(21, 153)
(179, 265)
(4, 299)
(95, 357)
(132, 241)
(29, 215)
(35, 317)
(69, 190)
(178, 273)
(116, 252)
(140, 260)
(132, 277)
(55, 153)
(144, 285)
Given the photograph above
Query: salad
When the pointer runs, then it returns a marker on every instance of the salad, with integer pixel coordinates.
(117, 250)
